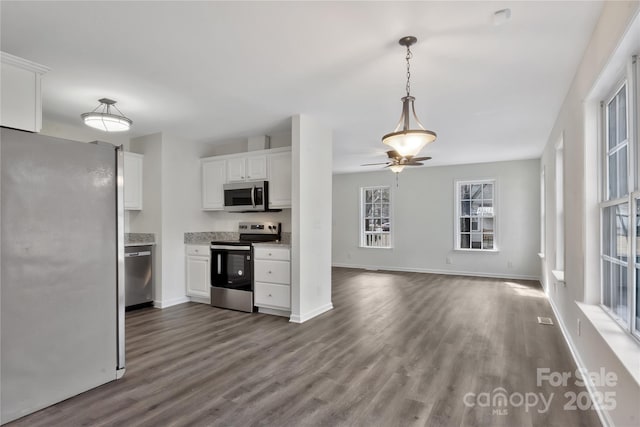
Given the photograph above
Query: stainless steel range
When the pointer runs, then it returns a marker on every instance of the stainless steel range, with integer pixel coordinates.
(232, 265)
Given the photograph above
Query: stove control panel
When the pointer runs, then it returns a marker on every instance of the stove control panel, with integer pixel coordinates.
(259, 228)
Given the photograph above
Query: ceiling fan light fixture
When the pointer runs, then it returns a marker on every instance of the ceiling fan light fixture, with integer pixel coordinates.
(396, 168)
(405, 140)
(105, 120)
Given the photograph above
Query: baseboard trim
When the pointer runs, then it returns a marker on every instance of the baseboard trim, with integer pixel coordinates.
(432, 271)
(200, 300)
(311, 314)
(274, 312)
(171, 302)
(605, 419)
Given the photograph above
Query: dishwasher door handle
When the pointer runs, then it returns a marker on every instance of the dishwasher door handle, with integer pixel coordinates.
(135, 254)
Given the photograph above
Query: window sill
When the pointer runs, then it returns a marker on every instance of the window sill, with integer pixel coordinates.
(540, 255)
(623, 345)
(477, 251)
(558, 275)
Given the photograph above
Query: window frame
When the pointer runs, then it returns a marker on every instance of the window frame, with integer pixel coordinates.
(630, 80)
(363, 233)
(458, 215)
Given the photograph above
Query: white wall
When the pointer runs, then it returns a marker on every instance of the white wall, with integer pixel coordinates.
(423, 210)
(311, 219)
(149, 219)
(83, 133)
(577, 122)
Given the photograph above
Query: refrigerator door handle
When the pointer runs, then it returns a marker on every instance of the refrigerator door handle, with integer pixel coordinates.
(120, 356)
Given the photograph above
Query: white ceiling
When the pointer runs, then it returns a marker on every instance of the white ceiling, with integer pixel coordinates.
(213, 71)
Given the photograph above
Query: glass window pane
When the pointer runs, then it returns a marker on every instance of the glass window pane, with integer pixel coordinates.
(611, 124)
(606, 283)
(385, 211)
(622, 172)
(622, 114)
(619, 287)
(476, 240)
(487, 191)
(613, 176)
(368, 196)
(466, 208)
(465, 191)
(476, 208)
(476, 191)
(385, 195)
(386, 224)
(622, 232)
(638, 231)
(465, 241)
(465, 225)
(475, 224)
(368, 211)
(487, 225)
(637, 315)
(487, 241)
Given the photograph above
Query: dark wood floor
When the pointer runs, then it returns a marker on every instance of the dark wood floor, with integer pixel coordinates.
(399, 349)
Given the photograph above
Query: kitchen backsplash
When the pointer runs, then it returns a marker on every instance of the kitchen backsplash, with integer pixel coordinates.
(139, 238)
(206, 237)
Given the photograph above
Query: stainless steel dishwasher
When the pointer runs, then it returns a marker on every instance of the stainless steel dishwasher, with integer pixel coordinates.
(138, 269)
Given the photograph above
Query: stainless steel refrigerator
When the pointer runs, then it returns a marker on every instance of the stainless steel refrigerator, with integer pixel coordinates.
(62, 269)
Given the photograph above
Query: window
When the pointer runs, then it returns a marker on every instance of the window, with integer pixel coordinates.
(375, 224)
(475, 212)
(619, 212)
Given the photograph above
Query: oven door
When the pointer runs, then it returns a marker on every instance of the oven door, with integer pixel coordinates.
(231, 267)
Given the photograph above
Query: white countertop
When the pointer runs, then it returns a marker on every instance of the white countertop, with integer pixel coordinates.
(126, 245)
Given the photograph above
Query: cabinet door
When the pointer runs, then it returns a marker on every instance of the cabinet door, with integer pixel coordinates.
(198, 270)
(213, 178)
(256, 168)
(280, 180)
(20, 94)
(133, 164)
(235, 169)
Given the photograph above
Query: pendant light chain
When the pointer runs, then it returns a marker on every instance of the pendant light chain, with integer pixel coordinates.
(408, 57)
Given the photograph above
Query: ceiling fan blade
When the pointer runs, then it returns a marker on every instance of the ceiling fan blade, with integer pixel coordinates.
(419, 159)
(393, 154)
(414, 164)
(375, 164)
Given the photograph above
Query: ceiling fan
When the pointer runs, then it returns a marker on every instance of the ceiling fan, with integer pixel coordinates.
(397, 162)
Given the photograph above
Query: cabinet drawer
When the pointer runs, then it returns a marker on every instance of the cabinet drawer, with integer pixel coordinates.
(270, 295)
(270, 252)
(272, 271)
(200, 250)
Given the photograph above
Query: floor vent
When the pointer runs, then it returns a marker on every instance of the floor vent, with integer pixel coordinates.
(545, 320)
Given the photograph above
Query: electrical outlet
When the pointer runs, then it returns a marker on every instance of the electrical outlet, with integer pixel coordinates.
(449, 260)
(579, 328)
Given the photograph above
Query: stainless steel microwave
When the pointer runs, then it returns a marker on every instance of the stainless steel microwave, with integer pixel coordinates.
(246, 196)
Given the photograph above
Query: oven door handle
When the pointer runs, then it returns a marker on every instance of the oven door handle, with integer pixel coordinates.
(231, 247)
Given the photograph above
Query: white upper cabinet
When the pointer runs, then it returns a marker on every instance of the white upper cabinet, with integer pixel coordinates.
(213, 178)
(20, 93)
(236, 169)
(272, 165)
(250, 168)
(133, 165)
(280, 180)
(256, 168)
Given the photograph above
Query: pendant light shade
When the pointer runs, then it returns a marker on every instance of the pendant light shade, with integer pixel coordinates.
(406, 141)
(104, 119)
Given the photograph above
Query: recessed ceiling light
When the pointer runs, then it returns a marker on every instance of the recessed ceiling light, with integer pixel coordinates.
(500, 17)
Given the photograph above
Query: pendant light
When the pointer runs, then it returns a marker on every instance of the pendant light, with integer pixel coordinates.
(406, 141)
(104, 119)
(396, 168)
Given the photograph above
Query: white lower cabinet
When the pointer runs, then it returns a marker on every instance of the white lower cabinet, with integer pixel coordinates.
(272, 279)
(198, 270)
